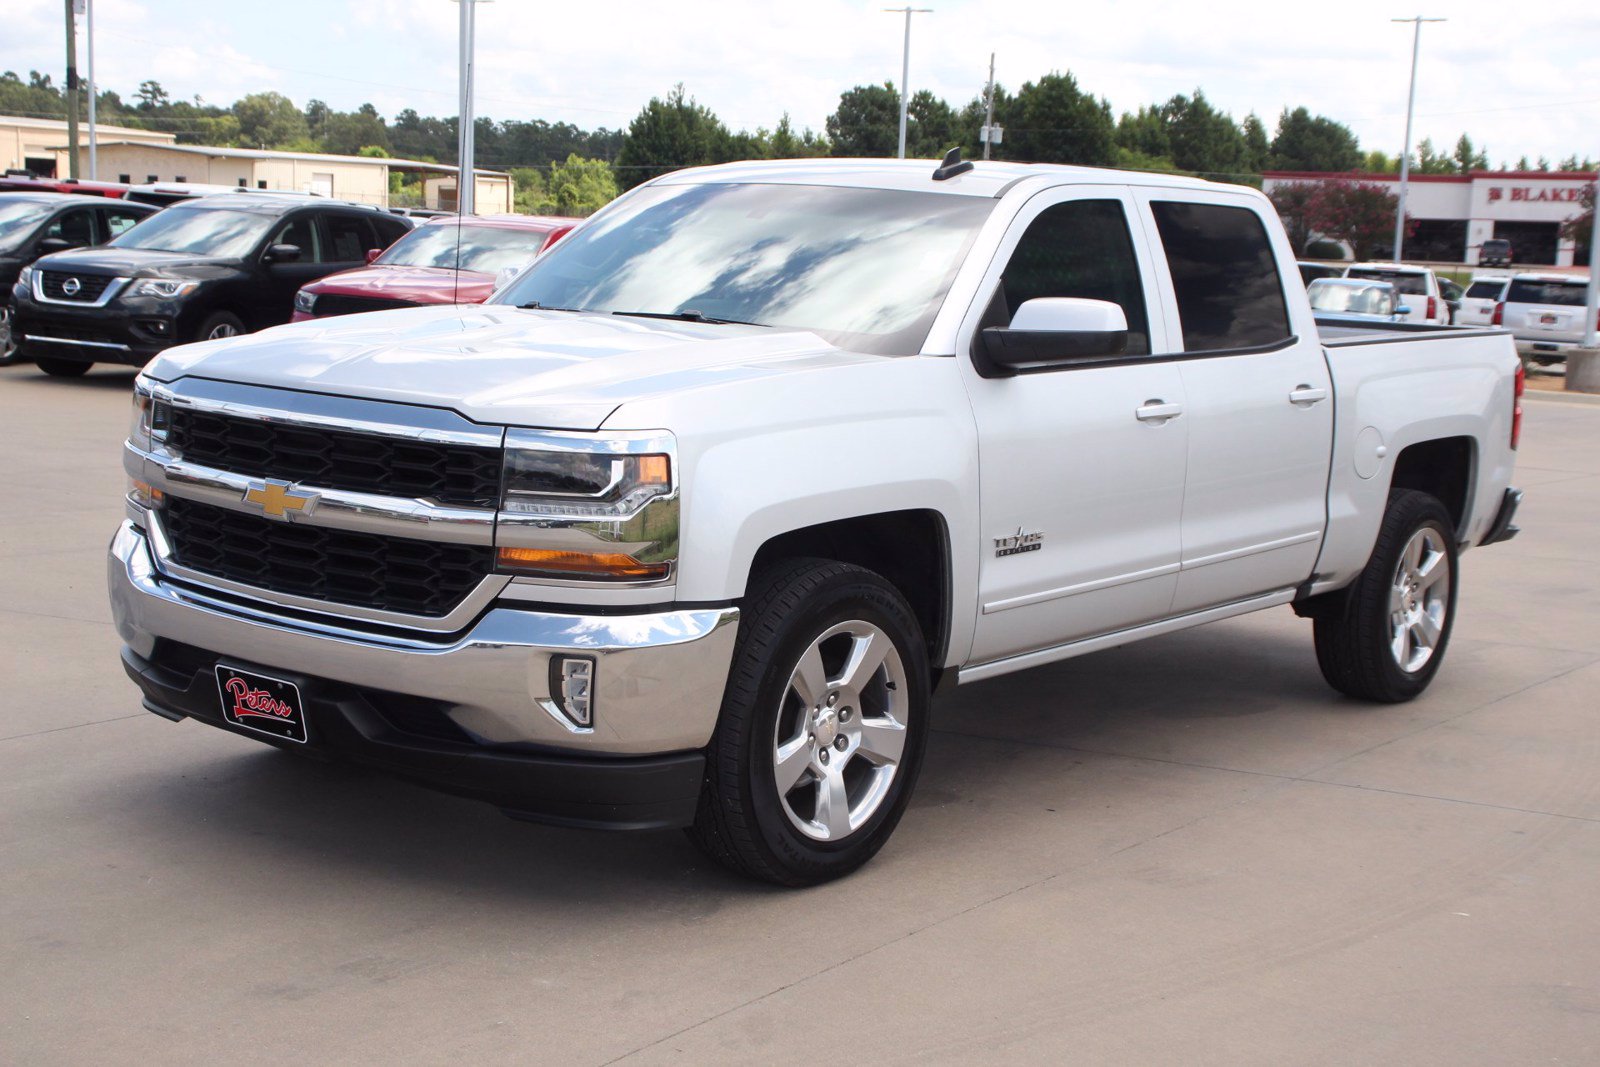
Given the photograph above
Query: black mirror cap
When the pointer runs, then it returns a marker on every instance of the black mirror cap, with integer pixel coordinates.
(55, 244)
(1004, 351)
(283, 253)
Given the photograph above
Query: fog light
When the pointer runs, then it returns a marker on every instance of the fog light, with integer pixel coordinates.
(572, 687)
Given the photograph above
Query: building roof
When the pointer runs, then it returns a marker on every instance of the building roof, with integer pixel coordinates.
(217, 152)
(1470, 176)
(100, 128)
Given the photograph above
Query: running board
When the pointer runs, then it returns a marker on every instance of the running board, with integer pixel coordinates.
(995, 668)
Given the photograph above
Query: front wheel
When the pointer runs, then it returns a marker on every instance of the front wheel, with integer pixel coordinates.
(10, 347)
(219, 324)
(822, 727)
(1388, 643)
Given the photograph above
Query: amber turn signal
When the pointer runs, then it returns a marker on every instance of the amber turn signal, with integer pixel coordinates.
(556, 563)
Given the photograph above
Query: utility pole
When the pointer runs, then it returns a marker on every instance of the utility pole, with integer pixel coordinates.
(466, 171)
(989, 106)
(1591, 333)
(1405, 157)
(72, 89)
(94, 139)
(905, 68)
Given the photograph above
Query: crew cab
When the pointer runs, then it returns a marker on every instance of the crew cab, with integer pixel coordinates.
(446, 260)
(37, 224)
(1418, 287)
(211, 267)
(1547, 314)
(686, 526)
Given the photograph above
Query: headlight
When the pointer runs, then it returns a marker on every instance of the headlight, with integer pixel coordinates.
(25, 277)
(151, 416)
(305, 302)
(588, 508)
(163, 289)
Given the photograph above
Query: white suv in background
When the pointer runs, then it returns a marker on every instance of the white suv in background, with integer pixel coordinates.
(1484, 303)
(1544, 312)
(1418, 288)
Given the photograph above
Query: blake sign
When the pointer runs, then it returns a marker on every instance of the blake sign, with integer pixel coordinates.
(1531, 195)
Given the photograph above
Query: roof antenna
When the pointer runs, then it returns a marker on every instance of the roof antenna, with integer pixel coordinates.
(951, 166)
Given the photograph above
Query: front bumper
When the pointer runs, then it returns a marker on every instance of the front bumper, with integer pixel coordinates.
(469, 713)
(109, 334)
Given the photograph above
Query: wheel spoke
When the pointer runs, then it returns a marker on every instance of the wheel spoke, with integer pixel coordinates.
(882, 740)
(810, 680)
(792, 761)
(1413, 555)
(833, 803)
(867, 654)
(1428, 631)
(1434, 569)
(1401, 645)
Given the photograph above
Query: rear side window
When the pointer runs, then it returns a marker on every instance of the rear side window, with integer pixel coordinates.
(1563, 294)
(348, 238)
(1081, 248)
(1224, 276)
(1486, 290)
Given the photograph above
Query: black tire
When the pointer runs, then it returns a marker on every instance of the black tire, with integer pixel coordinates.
(218, 320)
(10, 348)
(742, 821)
(63, 368)
(1354, 649)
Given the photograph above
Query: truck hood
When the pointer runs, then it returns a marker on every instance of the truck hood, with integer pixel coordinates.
(135, 262)
(420, 285)
(503, 365)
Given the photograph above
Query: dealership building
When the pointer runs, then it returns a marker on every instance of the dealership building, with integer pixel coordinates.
(1456, 213)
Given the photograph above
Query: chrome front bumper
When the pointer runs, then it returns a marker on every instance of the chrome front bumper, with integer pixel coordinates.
(659, 677)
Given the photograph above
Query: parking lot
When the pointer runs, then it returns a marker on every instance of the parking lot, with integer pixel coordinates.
(1189, 850)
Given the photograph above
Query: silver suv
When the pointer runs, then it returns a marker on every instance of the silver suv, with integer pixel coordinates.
(1545, 313)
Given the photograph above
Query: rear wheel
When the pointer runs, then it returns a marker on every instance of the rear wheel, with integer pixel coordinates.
(1388, 643)
(822, 727)
(63, 368)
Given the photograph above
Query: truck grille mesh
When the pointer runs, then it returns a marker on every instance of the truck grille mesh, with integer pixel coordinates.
(364, 570)
(339, 304)
(88, 289)
(457, 475)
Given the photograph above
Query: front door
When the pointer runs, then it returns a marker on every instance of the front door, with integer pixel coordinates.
(1081, 466)
(274, 301)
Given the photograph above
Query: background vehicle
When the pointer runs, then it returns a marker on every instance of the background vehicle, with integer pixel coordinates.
(26, 183)
(1354, 300)
(211, 267)
(442, 261)
(37, 224)
(1545, 313)
(1483, 303)
(1495, 252)
(1418, 286)
(1310, 272)
(684, 526)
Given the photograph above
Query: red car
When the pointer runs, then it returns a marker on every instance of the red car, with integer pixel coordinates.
(443, 261)
(23, 183)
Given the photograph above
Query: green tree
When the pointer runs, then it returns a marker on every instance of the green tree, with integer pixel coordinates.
(1469, 159)
(1294, 202)
(932, 127)
(1204, 140)
(1429, 161)
(671, 133)
(786, 144)
(270, 119)
(1053, 121)
(1361, 214)
(344, 132)
(36, 97)
(151, 96)
(1145, 132)
(1313, 143)
(1257, 148)
(1580, 228)
(867, 122)
(1379, 162)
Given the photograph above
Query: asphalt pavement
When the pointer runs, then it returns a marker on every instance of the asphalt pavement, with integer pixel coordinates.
(1184, 851)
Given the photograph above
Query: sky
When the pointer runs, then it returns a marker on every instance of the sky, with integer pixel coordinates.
(1520, 80)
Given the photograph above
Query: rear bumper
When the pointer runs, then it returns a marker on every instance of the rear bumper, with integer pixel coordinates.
(1537, 347)
(1503, 529)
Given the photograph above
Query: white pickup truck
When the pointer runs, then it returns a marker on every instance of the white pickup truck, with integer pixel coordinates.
(687, 525)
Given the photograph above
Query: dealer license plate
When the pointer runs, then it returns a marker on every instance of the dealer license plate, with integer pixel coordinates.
(265, 705)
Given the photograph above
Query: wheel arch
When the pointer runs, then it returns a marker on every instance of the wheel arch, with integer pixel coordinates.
(1443, 467)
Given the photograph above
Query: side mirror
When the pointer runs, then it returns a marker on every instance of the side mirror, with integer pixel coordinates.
(1403, 309)
(55, 244)
(373, 253)
(282, 253)
(1050, 331)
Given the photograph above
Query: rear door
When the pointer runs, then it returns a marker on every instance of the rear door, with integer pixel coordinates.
(1477, 307)
(1081, 465)
(1546, 310)
(1257, 398)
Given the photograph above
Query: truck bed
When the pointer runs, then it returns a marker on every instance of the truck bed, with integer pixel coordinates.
(1341, 334)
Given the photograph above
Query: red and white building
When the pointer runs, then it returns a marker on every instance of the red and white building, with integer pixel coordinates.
(1456, 213)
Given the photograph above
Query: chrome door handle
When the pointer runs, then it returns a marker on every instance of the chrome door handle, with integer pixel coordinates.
(1157, 411)
(1305, 395)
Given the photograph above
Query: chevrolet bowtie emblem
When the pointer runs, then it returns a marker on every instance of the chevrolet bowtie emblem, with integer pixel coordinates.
(276, 499)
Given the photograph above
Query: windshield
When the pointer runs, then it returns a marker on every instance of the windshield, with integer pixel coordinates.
(1486, 290)
(1406, 283)
(1561, 294)
(1350, 299)
(487, 249)
(17, 220)
(207, 231)
(864, 268)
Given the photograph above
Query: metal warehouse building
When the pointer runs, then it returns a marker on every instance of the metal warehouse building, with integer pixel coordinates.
(1456, 213)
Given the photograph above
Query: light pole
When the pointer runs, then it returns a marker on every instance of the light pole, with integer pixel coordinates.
(1405, 157)
(72, 90)
(905, 68)
(1591, 303)
(94, 138)
(466, 172)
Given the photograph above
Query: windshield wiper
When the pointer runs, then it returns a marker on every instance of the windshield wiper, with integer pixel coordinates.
(534, 305)
(687, 315)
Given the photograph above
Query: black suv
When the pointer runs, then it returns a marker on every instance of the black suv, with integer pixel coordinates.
(36, 224)
(210, 267)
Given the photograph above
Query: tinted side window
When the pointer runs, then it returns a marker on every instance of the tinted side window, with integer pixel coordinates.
(1561, 294)
(301, 231)
(1486, 290)
(1226, 281)
(389, 231)
(1081, 248)
(348, 238)
(74, 226)
(119, 222)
